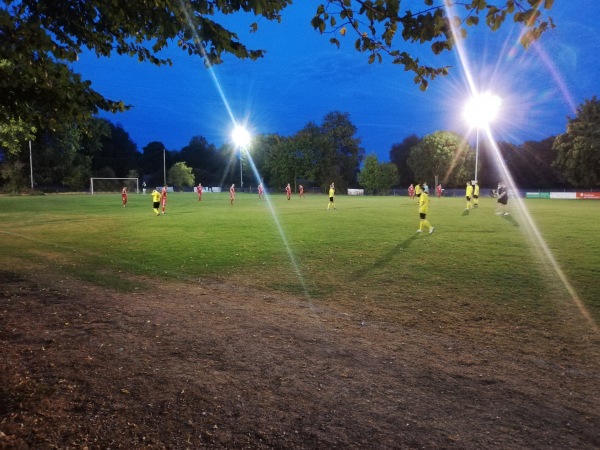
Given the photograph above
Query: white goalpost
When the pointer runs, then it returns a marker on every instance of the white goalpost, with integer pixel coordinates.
(98, 185)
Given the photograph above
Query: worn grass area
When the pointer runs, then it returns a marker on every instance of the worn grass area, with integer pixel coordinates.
(364, 255)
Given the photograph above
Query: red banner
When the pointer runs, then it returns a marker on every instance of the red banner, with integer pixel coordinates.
(588, 195)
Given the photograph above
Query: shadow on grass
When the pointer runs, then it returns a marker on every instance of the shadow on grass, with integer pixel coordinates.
(385, 258)
(512, 220)
(466, 212)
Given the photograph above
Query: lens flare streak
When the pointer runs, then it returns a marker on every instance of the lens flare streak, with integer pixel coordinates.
(237, 126)
(531, 227)
(280, 230)
(535, 236)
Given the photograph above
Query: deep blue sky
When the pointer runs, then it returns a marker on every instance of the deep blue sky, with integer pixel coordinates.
(303, 77)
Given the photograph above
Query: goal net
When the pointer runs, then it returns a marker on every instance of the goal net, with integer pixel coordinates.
(100, 185)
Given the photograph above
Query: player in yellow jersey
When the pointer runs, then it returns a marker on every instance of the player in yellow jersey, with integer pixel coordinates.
(418, 190)
(331, 195)
(469, 194)
(423, 209)
(475, 194)
(156, 201)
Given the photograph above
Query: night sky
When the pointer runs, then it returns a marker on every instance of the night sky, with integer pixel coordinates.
(303, 77)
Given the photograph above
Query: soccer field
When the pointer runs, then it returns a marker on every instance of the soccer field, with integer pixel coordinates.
(364, 252)
(284, 325)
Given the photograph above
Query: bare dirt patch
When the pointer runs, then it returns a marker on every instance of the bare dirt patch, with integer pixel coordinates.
(211, 365)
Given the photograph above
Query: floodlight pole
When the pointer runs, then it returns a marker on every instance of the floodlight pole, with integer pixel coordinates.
(241, 179)
(164, 166)
(31, 164)
(476, 152)
(241, 139)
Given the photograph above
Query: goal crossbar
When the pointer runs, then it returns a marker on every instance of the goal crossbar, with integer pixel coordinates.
(124, 182)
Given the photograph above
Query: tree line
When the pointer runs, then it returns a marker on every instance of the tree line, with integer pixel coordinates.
(43, 101)
(569, 160)
(318, 154)
(66, 160)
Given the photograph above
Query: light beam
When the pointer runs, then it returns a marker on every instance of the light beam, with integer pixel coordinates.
(241, 136)
(480, 111)
(486, 110)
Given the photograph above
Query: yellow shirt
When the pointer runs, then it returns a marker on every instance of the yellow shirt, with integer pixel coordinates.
(423, 203)
(155, 196)
(418, 189)
(331, 192)
(469, 190)
(476, 190)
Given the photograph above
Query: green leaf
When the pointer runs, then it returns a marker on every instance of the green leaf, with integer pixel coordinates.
(472, 20)
(318, 23)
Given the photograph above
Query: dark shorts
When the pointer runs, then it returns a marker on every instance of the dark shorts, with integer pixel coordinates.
(331, 199)
(476, 196)
(422, 216)
(503, 200)
(468, 198)
(155, 204)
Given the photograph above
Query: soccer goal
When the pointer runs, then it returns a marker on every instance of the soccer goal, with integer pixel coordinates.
(98, 185)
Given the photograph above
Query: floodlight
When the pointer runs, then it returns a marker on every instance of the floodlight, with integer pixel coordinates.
(240, 136)
(482, 109)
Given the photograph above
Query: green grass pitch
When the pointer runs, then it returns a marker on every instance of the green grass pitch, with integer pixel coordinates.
(366, 252)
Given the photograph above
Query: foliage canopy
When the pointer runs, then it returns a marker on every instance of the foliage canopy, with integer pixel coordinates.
(376, 177)
(442, 154)
(377, 23)
(181, 175)
(40, 38)
(578, 150)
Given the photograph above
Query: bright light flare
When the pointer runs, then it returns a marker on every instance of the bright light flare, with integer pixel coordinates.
(482, 109)
(241, 137)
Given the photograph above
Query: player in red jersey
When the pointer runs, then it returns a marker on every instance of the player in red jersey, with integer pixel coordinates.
(261, 191)
(411, 192)
(232, 193)
(199, 191)
(163, 196)
(438, 190)
(301, 191)
(288, 191)
(124, 196)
